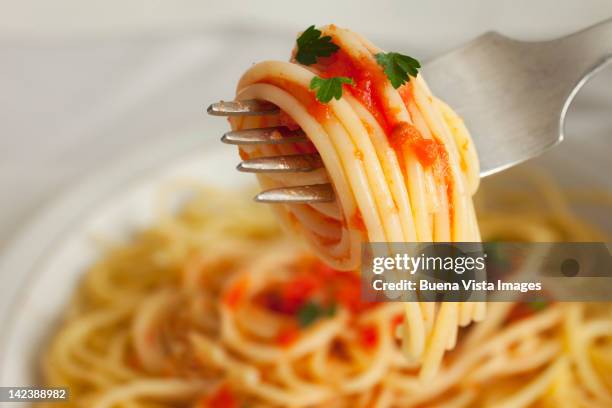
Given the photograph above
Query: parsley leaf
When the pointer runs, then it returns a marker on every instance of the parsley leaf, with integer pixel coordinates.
(328, 88)
(398, 67)
(538, 305)
(331, 310)
(310, 312)
(311, 45)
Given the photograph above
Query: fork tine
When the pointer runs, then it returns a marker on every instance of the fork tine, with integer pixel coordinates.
(314, 193)
(247, 107)
(270, 135)
(293, 163)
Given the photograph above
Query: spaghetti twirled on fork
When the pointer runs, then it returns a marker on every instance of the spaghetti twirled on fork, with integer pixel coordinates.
(401, 162)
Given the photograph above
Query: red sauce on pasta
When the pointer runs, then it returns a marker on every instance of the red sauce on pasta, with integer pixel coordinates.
(368, 337)
(356, 221)
(369, 84)
(222, 397)
(316, 109)
(287, 336)
(235, 294)
(427, 151)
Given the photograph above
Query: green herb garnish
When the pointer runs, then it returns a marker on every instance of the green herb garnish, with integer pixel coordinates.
(330, 310)
(538, 305)
(310, 312)
(328, 88)
(310, 46)
(398, 67)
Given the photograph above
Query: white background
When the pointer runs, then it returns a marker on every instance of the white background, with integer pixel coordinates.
(83, 83)
(410, 20)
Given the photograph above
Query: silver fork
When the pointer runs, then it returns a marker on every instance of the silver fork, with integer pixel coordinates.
(513, 95)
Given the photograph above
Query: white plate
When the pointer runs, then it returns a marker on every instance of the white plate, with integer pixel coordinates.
(52, 254)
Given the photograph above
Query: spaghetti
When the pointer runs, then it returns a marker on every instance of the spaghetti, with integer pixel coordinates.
(214, 308)
(218, 310)
(401, 162)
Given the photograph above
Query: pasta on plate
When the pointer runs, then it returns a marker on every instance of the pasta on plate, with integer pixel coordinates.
(203, 310)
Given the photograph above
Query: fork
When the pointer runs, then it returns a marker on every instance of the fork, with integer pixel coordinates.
(513, 96)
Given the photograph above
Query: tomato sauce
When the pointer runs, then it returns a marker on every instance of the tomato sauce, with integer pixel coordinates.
(356, 221)
(396, 322)
(427, 151)
(369, 84)
(431, 153)
(243, 154)
(235, 294)
(318, 110)
(406, 94)
(368, 337)
(221, 398)
(288, 297)
(318, 282)
(287, 336)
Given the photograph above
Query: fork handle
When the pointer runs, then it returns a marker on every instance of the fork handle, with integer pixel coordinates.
(579, 56)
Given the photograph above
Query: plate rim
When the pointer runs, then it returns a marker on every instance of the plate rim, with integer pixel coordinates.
(38, 237)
